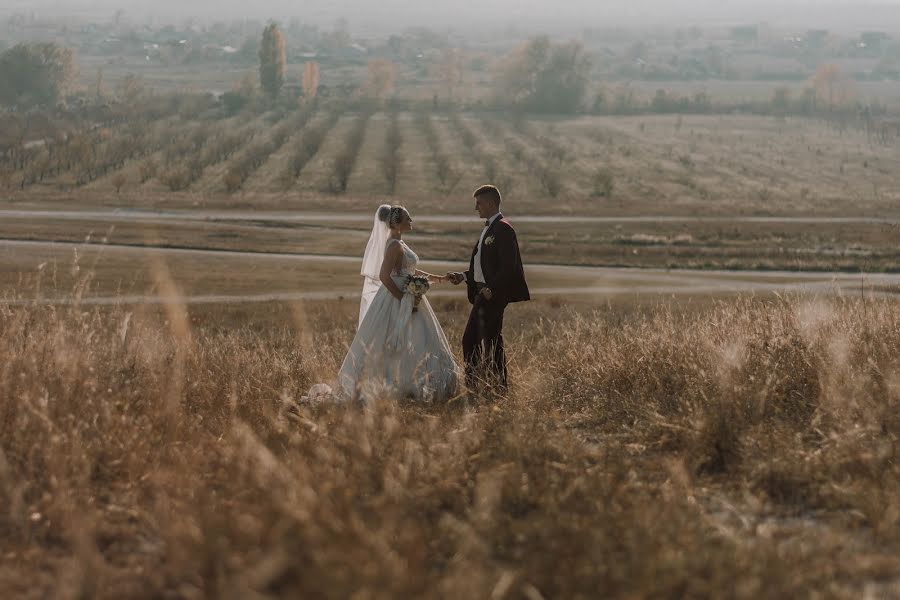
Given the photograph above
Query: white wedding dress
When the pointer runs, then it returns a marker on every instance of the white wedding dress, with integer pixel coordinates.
(398, 352)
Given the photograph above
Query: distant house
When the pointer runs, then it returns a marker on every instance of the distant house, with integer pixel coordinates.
(874, 40)
(817, 38)
(745, 34)
(214, 51)
(112, 44)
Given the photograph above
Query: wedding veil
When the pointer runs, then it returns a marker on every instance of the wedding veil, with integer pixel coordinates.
(372, 259)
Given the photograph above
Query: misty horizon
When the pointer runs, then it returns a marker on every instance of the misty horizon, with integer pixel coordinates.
(533, 15)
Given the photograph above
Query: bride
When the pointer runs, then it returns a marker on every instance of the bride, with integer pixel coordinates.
(396, 349)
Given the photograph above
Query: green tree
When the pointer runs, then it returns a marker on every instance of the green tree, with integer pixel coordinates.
(546, 77)
(271, 60)
(35, 73)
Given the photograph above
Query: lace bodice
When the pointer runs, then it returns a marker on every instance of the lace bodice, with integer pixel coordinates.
(410, 260)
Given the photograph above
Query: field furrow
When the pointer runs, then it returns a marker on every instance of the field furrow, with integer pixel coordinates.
(417, 175)
(463, 161)
(317, 174)
(367, 177)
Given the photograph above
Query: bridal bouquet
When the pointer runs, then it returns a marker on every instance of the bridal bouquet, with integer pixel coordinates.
(418, 286)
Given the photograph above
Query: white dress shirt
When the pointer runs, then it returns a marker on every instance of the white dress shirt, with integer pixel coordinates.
(479, 274)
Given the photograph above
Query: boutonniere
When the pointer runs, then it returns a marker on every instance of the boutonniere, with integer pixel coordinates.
(489, 240)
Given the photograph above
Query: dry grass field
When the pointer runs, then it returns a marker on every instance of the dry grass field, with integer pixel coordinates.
(743, 449)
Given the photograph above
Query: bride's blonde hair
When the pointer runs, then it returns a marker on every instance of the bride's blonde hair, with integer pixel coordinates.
(391, 215)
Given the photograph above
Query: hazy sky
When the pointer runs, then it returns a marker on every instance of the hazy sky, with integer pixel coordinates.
(843, 14)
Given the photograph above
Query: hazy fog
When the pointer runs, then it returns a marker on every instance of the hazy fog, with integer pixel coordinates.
(481, 14)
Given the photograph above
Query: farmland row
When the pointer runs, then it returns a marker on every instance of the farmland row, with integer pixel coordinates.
(325, 151)
(95, 143)
(638, 163)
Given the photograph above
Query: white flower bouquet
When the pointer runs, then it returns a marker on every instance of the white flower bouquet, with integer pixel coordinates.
(418, 286)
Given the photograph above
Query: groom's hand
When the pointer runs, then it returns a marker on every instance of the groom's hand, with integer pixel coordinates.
(487, 293)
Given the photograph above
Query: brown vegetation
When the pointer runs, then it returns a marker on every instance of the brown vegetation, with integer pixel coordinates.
(310, 79)
(748, 450)
(382, 74)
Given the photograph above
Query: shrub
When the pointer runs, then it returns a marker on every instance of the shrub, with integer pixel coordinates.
(603, 183)
(234, 101)
(550, 179)
(177, 178)
(233, 180)
(119, 179)
(147, 170)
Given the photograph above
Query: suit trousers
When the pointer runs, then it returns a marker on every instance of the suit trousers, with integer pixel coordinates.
(483, 346)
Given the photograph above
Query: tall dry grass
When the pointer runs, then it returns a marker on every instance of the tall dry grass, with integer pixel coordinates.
(746, 450)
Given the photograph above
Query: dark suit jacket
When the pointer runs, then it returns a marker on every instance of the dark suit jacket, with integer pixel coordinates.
(501, 264)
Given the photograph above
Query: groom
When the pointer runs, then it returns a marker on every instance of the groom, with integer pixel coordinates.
(495, 279)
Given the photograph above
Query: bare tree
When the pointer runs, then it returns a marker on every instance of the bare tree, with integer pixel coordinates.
(310, 79)
(831, 86)
(382, 74)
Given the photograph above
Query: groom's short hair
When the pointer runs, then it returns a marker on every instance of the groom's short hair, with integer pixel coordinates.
(490, 191)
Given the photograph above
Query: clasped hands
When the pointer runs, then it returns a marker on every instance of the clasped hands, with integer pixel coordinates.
(458, 278)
